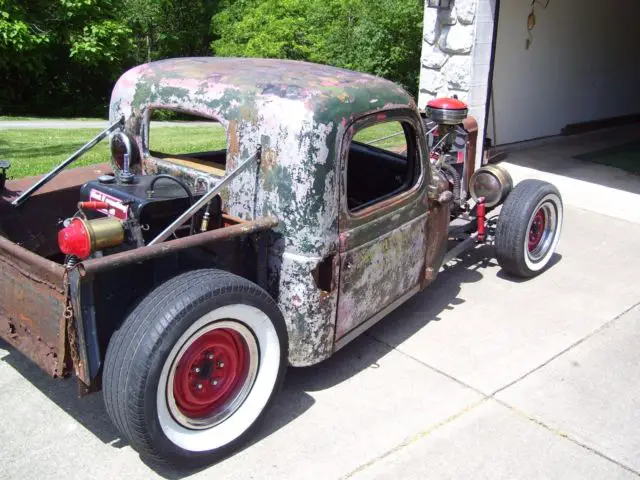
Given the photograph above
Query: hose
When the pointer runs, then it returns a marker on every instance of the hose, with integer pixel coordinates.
(184, 186)
(456, 181)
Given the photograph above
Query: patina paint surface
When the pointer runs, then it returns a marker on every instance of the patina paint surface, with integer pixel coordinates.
(298, 114)
(382, 246)
(379, 272)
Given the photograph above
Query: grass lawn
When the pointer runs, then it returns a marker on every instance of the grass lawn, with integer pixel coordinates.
(36, 151)
(373, 136)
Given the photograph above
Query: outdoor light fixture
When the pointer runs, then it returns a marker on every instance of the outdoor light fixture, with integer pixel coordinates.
(444, 4)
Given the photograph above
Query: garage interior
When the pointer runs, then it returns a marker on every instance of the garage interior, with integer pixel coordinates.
(563, 66)
(565, 102)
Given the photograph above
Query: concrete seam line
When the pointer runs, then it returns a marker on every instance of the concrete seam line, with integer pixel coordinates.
(567, 349)
(436, 370)
(565, 435)
(414, 438)
(423, 434)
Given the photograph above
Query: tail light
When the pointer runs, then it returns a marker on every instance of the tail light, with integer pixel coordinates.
(83, 237)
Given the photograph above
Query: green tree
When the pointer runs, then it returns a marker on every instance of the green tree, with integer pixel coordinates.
(61, 57)
(382, 37)
(269, 28)
(56, 56)
(165, 28)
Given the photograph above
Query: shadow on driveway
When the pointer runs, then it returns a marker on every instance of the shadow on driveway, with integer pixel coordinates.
(416, 314)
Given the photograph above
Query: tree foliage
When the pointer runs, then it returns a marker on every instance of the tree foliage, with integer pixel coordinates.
(381, 37)
(61, 57)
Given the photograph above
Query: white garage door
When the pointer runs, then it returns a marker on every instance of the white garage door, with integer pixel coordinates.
(583, 65)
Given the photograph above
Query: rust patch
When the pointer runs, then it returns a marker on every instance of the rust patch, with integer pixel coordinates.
(437, 229)
(117, 260)
(233, 142)
(33, 305)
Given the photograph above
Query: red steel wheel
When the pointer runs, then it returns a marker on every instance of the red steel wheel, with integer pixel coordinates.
(536, 230)
(210, 373)
(528, 228)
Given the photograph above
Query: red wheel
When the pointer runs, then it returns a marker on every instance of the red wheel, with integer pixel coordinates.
(529, 228)
(212, 374)
(536, 230)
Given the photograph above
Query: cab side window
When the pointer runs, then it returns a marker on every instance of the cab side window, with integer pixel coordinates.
(381, 163)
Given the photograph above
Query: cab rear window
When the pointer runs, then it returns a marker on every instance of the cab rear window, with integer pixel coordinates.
(189, 140)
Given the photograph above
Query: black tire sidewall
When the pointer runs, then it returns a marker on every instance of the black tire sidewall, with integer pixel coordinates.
(513, 227)
(157, 350)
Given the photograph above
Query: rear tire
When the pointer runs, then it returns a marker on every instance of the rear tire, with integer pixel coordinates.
(194, 367)
(529, 228)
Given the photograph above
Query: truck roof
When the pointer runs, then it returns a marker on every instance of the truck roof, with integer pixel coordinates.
(211, 85)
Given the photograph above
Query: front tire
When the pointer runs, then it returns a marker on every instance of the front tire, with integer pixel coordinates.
(529, 228)
(194, 367)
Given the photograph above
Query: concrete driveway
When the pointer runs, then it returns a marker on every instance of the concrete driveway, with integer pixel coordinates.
(480, 376)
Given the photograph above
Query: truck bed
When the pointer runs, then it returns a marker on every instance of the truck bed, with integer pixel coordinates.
(62, 319)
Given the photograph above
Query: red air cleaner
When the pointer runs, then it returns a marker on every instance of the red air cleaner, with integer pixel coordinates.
(447, 111)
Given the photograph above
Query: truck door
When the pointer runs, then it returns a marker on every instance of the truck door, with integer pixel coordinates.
(383, 212)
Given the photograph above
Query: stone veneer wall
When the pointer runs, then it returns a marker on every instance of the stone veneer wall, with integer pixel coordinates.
(456, 54)
(446, 51)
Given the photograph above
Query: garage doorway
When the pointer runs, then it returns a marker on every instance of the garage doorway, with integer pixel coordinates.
(578, 66)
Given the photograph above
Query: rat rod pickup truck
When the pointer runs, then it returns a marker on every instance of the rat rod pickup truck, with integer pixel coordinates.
(184, 284)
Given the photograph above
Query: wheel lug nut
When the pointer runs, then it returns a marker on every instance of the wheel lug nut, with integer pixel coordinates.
(197, 369)
(214, 382)
(210, 356)
(221, 364)
(199, 386)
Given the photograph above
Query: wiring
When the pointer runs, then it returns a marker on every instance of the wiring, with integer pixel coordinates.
(184, 186)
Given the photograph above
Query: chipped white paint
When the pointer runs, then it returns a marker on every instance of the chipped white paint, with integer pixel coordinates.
(306, 309)
(296, 179)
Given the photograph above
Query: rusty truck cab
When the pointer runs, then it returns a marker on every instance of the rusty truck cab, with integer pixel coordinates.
(331, 250)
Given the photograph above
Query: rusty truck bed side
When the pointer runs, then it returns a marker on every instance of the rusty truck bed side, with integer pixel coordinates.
(59, 318)
(32, 289)
(32, 305)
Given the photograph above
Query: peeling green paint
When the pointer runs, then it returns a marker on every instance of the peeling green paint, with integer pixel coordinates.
(298, 113)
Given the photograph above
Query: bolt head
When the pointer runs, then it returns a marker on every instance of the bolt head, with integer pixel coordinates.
(210, 356)
(197, 369)
(221, 364)
(199, 386)
(214, 382)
